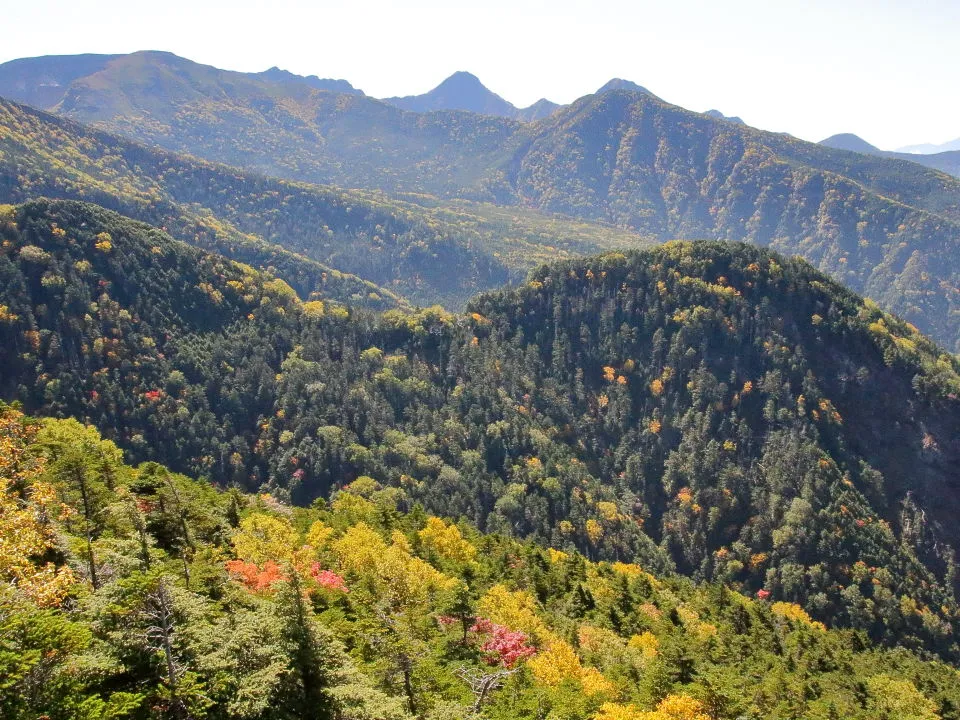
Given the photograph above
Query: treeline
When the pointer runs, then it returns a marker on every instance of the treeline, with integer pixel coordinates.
(138, 593)
(710, 408)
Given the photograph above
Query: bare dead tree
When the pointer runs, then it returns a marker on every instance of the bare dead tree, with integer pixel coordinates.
(158, 609)
(483, 684)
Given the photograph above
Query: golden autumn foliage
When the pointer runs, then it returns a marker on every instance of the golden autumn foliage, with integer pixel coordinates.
(104, 242)
(319, 534)
(559, 664)
(672, 707)
(608, 510)
(396, 574)
(447, 541)
(313, 309)
(25, 530)
(891, 699)
(794, 612)
(262, 537)
(647, 643)
(515, 609)
(594, 530)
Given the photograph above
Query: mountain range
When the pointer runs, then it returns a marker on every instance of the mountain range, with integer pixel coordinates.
(426, 251)
(464, 91)
(620, 158)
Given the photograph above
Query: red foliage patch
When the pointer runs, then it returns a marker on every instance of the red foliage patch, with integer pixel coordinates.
(328, 579)
(251, 575)
(503, 646)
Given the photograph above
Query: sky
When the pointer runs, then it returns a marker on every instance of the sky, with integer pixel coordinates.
(885, 70)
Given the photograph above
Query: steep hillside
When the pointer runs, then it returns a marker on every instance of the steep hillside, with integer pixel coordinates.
(886, 227)
(135, 592)
(428, 251)
(712, 408)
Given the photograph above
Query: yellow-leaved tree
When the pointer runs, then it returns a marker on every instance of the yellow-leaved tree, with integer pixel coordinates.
(26, 506)
(262, 538)
(446, 541)
(672, 707)
(892, 699)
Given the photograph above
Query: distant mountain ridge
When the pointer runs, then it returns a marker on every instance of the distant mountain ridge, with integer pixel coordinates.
(464, 91)
(460, 91)
(621, 84)
(931, 148)
(945, 161)
(716, 114)
(275, 74)
(318, 239)
(44, 82)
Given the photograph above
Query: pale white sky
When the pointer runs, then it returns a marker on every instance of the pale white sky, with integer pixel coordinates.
(886, 70)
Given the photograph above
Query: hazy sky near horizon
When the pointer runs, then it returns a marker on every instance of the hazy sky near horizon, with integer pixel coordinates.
(885, 70)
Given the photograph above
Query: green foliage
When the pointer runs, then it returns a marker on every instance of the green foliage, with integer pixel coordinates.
(715, 409)
(158, 642)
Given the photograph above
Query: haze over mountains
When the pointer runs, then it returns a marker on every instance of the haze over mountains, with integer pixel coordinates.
(931, 148)
(946, 160)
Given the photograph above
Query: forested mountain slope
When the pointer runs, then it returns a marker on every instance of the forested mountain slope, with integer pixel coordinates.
(887, 228)
(424, 250)
(134, 592)
(712, 408)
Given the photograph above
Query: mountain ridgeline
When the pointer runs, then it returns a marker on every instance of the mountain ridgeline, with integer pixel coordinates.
(715, 409)
(886, 227)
